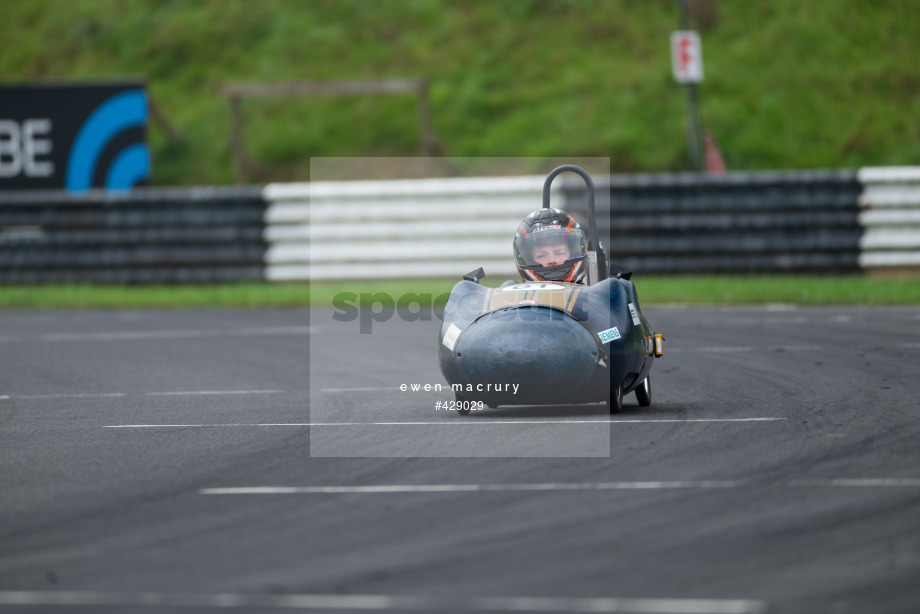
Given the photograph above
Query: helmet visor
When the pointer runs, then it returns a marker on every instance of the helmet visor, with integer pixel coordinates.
(549, 246)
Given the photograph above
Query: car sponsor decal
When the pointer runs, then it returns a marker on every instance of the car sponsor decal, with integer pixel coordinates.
(635, 315)
(532, 286)
(609, 335)
(570, 304)
(450, 337)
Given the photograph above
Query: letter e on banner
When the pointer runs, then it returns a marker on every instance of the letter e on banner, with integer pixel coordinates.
(686, 56)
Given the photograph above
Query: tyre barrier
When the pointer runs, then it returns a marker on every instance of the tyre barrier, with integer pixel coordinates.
(804, 221)
(146, 235)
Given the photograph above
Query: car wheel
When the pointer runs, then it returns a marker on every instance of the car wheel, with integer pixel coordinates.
(461, 399)
(644, 392)
(615, 400)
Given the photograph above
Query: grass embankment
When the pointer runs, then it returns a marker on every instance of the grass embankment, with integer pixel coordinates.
(700, 289)
(788, 84)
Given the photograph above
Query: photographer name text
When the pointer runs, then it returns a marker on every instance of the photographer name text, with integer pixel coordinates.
(512, 388)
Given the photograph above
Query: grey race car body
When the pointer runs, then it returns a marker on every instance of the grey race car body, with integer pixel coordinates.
(548, 342)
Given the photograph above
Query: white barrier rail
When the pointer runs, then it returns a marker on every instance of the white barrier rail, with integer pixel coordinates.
(889, 213)
(406, 228)
(844, 220)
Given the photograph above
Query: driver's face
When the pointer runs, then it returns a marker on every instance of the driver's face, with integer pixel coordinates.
(551, 255)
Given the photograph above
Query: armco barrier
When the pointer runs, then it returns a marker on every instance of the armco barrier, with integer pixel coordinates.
(821, 221)
(145, 235)
(890, 215)
(789, 221)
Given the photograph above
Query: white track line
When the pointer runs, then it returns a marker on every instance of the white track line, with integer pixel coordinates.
(210, 392)
(475, 422)
(135, 335)
(92, 395)
(727, 348)
(778, 307)
(383, 602)
(795, 348)
(464, 422)
(749, 348)
(546, 487)
(392, 388)
(860, 482)
(424, 488)
(87, 395)
(185, 426)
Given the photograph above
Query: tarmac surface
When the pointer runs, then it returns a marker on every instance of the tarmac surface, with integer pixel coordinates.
(267, 460)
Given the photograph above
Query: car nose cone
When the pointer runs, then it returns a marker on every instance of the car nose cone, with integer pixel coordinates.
(542, 349)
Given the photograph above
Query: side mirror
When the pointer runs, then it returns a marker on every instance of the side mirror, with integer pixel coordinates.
(618, 272)
(475, 276)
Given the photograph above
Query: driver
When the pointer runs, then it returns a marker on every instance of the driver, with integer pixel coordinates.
(550, 246)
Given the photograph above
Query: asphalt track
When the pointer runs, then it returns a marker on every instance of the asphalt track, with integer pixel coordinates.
(161, 461)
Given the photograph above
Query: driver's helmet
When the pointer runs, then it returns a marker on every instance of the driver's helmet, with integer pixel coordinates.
(550, 246)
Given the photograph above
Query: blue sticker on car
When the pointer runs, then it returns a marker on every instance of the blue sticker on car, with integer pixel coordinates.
(609, 335)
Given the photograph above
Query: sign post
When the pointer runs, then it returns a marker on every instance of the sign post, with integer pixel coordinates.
(687, 64)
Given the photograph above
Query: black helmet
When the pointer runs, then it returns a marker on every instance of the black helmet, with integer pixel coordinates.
(550, 246)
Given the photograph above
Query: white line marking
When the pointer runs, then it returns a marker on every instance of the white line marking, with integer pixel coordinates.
(465, 422)
(795, 348)
(210, 392)
(184, 426)
(393, 388)
(780, 307)
(726, 348)
(384, 602)
(407, 488)
(860, 482)
(475, 422)
(4, 397)
(134, 335)
(546, 487)
(124, 394)
(88, 395)
(749, 348)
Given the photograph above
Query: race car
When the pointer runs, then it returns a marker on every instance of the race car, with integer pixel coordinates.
(548, 342)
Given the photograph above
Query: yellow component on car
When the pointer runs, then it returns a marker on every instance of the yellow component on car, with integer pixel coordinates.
(659, 345)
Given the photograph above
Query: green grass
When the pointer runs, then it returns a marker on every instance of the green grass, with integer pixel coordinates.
(803, 290)
(789, 84)
(170, 296)
(698, 289)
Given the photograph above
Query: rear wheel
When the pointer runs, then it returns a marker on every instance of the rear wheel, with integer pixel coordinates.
(615, 400)
(644, 392)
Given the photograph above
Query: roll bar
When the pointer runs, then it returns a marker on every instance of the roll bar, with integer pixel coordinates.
(593, 273)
